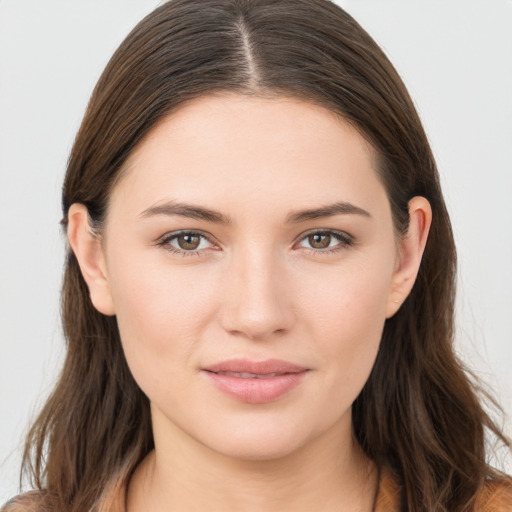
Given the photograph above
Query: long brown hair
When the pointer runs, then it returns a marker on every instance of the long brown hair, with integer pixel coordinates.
(418, 415)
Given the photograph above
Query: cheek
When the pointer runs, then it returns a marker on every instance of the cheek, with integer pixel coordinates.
(161, 312)
(350, 297)
(346, 318)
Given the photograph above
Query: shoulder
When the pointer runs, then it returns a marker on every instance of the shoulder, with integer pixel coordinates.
(28, 502)
(495, 496)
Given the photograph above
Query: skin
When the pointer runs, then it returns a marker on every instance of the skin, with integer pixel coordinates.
(257, 287)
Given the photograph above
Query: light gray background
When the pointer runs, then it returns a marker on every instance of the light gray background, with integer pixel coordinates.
(454, 55)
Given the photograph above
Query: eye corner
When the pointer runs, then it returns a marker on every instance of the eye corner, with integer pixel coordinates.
(190, 247)
(344, 241)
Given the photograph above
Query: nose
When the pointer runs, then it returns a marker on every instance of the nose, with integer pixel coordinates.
(255, 303)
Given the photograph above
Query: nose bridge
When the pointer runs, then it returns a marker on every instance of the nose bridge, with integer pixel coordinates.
(255, 302)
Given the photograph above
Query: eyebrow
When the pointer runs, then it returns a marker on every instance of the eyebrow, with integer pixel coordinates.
(295, 217)
(330, 210)
(186, 210)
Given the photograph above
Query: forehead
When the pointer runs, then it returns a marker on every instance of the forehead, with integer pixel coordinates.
(231, 149)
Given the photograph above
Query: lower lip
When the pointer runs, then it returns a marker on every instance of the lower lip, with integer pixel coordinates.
(256, 391)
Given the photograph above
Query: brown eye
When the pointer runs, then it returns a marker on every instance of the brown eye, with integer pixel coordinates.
(319, 240)
(326, 242)
(188, 242)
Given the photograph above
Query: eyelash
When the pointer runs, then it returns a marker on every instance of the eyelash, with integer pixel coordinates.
(345, 240)
(166, 240)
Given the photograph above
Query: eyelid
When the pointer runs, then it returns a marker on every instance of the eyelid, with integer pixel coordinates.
(344, 238)
(164, 241)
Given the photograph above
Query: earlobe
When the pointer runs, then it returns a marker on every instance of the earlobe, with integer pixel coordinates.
(411, 248)
(86, 245)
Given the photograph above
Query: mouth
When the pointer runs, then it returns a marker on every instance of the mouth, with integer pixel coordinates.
(245, 375)
(255, 382)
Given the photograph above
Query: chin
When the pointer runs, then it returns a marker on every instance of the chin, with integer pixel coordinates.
(258, 440)
(258, 449)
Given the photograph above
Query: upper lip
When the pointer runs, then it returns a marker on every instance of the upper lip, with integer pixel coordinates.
(265, 367)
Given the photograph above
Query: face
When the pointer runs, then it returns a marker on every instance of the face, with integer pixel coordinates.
(251, 262)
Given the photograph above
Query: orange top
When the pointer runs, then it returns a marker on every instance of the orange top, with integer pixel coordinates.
(495, 497)
(388, 494)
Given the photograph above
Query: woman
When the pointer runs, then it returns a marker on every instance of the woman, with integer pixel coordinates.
(258, 298)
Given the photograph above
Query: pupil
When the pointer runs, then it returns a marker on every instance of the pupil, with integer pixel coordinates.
(319, 241)
(188, 241)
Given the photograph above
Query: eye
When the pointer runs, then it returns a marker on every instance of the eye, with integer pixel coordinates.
(186, 242)
(326, 241)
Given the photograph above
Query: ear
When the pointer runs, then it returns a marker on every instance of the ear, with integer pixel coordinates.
(88, 250)
(411, 248)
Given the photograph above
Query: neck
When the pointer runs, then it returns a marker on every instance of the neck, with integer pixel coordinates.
(330, 474)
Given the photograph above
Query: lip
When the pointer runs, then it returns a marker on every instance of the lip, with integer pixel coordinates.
(255, 382)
